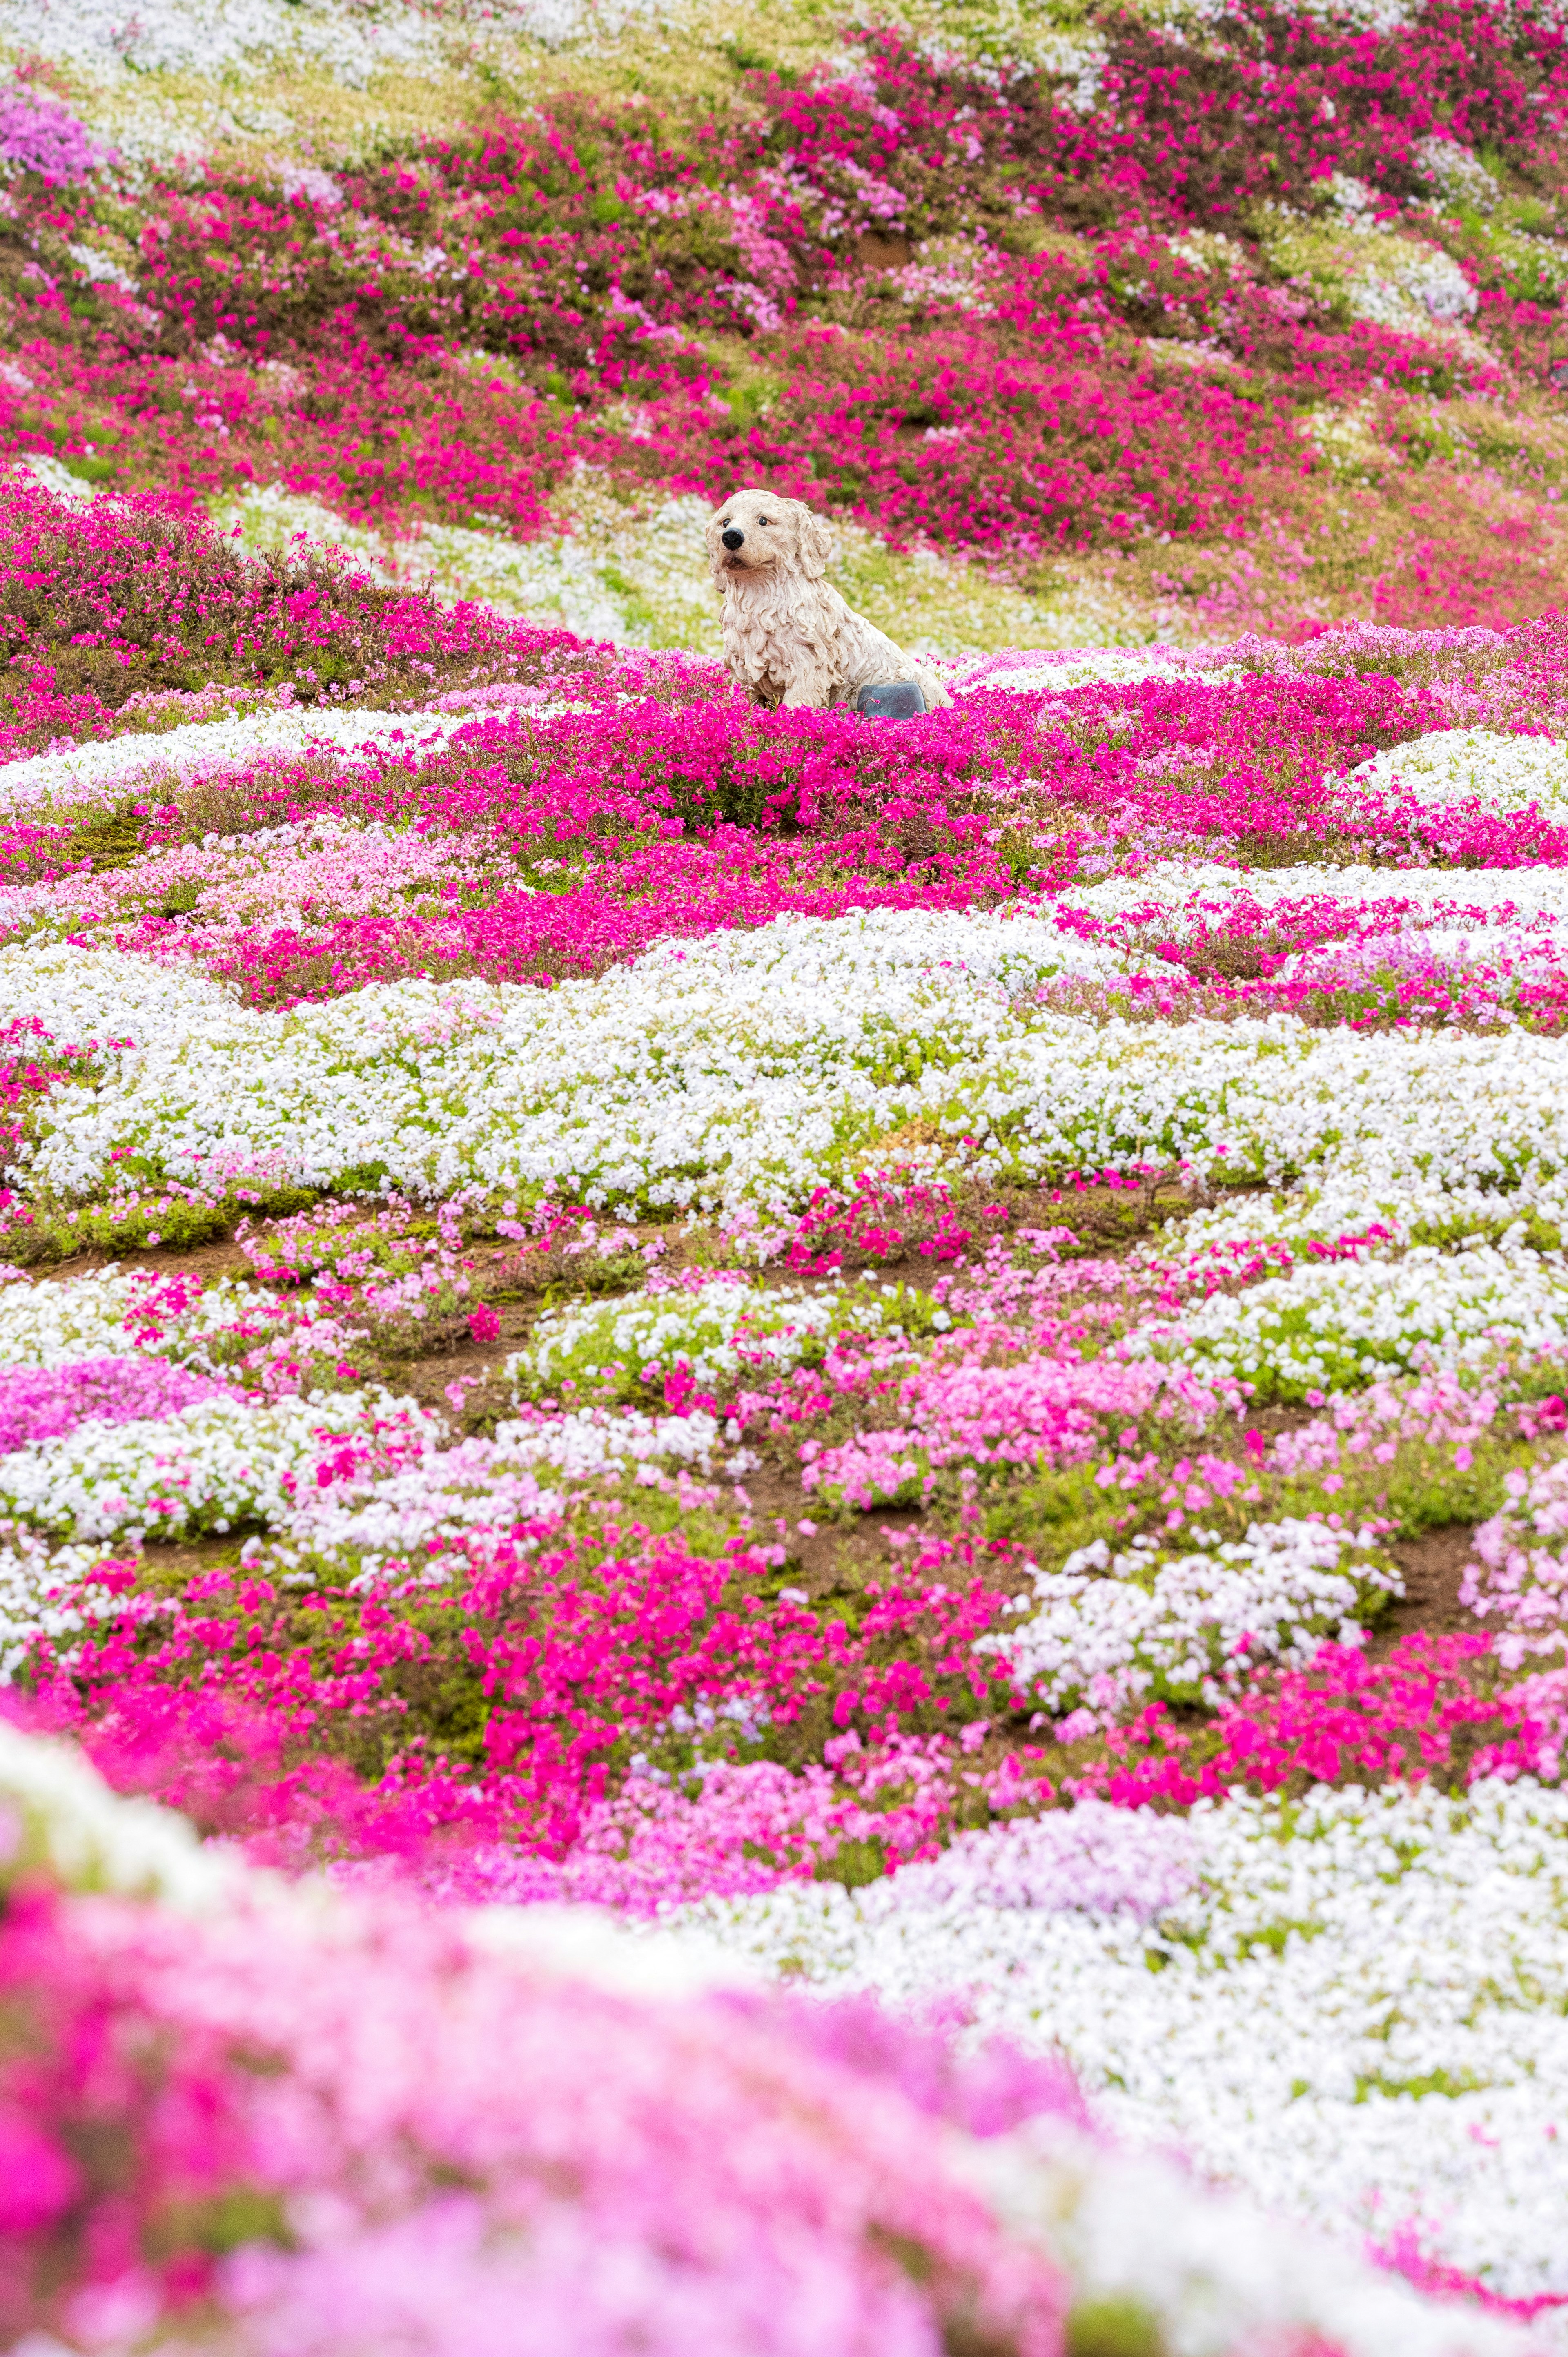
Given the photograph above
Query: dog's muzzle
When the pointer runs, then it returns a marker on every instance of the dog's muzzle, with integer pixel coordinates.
(731, 539)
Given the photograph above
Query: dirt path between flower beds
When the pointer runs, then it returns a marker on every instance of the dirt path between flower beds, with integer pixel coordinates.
(1433, 1566)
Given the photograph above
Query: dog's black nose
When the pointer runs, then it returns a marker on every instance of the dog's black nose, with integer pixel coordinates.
(733, 539)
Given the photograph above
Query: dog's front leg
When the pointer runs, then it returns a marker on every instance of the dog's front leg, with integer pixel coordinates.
(808, 688)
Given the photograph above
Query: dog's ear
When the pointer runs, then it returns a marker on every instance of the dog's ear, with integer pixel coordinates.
(715, 548)
(814, 541)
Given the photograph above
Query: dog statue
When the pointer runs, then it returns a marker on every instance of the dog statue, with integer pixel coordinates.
(787, 635)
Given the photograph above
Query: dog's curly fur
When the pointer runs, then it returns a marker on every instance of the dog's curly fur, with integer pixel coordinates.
(787, 635)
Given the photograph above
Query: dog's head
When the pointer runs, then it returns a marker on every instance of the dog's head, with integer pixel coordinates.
(758, 531)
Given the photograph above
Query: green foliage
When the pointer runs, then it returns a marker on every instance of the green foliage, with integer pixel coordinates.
(855, 1863)
(361, 1178)
(90, 470)
(1114, 2325)
(1274, 1939)
(135, 1223)
(1425, 2083)
(1420, 1489)
(1054, 1514)
(105, 839)
(1540, 1234)
(1051, 1513)
(744, 57)
(220, 2222)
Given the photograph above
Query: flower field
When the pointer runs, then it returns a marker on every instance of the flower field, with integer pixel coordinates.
(783, 1500)
(1175, 323)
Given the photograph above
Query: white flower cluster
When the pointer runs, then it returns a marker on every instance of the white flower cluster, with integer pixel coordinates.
(1108, 1632)
(216, 1463)
(166, 35)
(715, 1330)
(757, 1065)
(1334, 1960)
(226, 1460)
(234, 41)
(31, 1604)
(103, 999)
(57, 1816)
(740, 1050)
(163, 1478)
(1458, 172)
(1058, 669)
(1461, 765)
(1331, 1325)
(1213, 2271)
(114, 1313)
(1421, 280)
(700, 1328)
(479, 1494)
(1409, 1209)
(1479, 899)
(120, 765)
(475, 1494)
(590, 1441)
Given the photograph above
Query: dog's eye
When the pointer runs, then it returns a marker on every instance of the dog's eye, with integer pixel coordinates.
(765, 519)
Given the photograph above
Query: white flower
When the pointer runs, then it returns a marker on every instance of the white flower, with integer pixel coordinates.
(1111, 1628)
(1458, 765)
(755, 1066)
(216, 1463)
(1329, 1325)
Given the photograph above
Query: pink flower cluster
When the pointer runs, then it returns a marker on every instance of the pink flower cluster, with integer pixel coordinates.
(38, 1402)
(1432, 1708)
(572, 1641)
(1042, 1411)
(39, 135)
(139, 596)
(349, 2135)
(1521, 1576)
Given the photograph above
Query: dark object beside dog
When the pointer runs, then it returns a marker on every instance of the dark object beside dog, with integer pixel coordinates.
(897, 699)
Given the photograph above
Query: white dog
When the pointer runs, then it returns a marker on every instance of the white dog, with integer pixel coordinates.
(788, 636)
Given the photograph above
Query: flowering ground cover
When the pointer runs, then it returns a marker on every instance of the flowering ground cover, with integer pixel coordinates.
(1171, 321)
(925, 1363)
(783, 1502)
